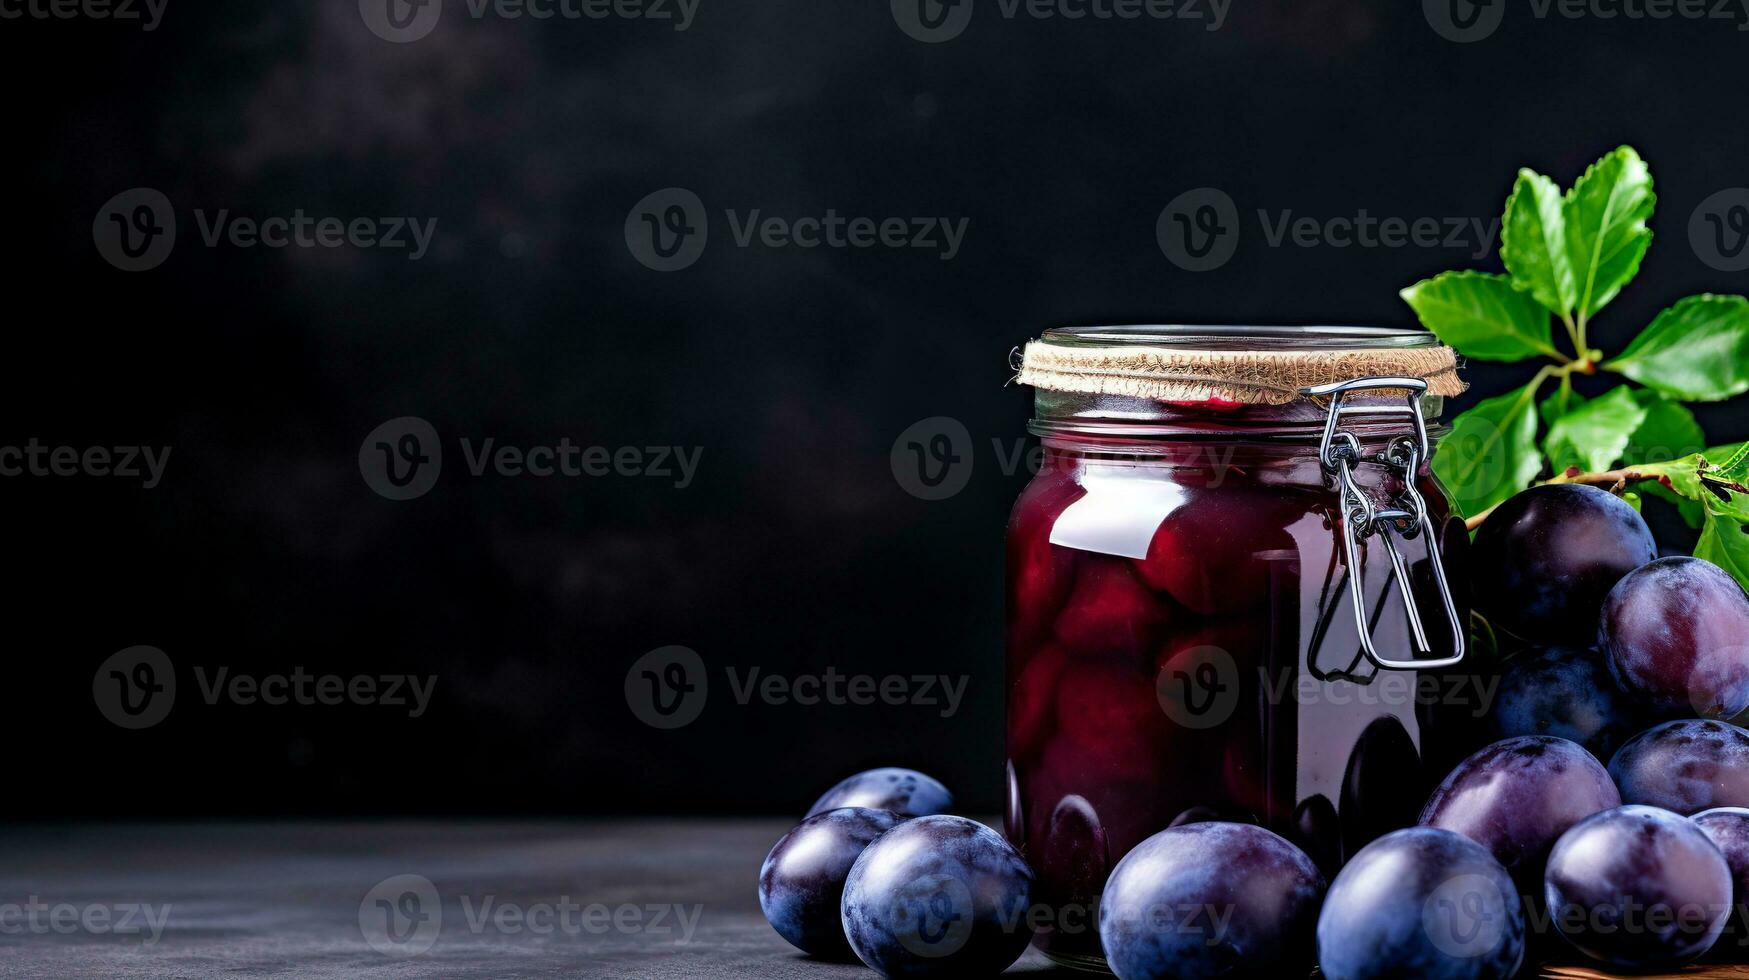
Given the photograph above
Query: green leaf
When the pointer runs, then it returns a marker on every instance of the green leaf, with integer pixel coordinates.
(1594, 435)
(1697, 350)
(1482, 316)
(1735, 465)
(1692, 511)
(1668, 432)
(1564, 400)
(1533, 243)
(1683, 474)
(1633, 500)
(1723, 542)
(1605, 215)
(1694, 483)
(1491, 451)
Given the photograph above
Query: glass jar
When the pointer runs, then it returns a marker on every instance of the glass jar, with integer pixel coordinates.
(1184, 642)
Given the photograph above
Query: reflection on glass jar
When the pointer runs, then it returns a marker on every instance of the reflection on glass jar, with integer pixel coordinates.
(1182, 639)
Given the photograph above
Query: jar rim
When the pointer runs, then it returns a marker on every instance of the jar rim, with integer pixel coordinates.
(1240, 337)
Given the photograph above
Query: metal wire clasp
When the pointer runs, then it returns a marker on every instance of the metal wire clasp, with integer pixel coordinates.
(1339, 452)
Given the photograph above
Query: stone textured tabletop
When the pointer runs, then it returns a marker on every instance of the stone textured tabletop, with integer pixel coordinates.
(628, 898)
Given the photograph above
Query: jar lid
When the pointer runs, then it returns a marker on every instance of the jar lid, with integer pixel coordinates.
(1234, 365)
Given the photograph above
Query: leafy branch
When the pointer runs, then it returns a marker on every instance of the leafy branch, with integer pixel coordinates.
(1567, 255)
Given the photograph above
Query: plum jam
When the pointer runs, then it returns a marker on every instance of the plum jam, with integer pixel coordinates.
(1183, 637)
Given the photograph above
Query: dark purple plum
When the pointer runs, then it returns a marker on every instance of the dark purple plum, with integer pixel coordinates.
(1638, 888)
(1422, 903)
(906, 792)
(1209, 552)
(1568, 693)
(938, 896)
(1676, 633)
(1110, 613)
(1685, 766)
(1518, 796)
(802, 881)
(1545, 559)
(1728, 828)
(1211, 900)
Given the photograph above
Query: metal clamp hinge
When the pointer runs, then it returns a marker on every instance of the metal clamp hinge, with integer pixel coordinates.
(1362, 518)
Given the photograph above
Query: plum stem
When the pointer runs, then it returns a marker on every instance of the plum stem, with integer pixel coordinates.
(1615, 481)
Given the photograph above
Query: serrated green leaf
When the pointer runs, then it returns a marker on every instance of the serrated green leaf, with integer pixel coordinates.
(1533, 243)
(1668, 432)
(1735, 468)
(1605, 216)
(1694, 483)
(1594, 435)
(1491, 451)
(1697, 350)
(1482, 316)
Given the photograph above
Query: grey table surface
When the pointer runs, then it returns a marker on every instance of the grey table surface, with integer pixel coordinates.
(625, 898)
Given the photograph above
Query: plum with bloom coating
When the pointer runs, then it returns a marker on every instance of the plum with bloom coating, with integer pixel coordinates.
(1518, 796)
(1677, 635)
(938, 896)
(1567, 693)
(1422, 903)
(1545, 559)
(906, 792)
(802, 880)
(1685, 766)
(1638, 888)
(1728, 828)
(1211, 900)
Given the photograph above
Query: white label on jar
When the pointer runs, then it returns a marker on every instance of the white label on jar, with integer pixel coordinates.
(1121, 511)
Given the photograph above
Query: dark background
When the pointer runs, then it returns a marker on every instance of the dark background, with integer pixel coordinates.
(795, 370)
